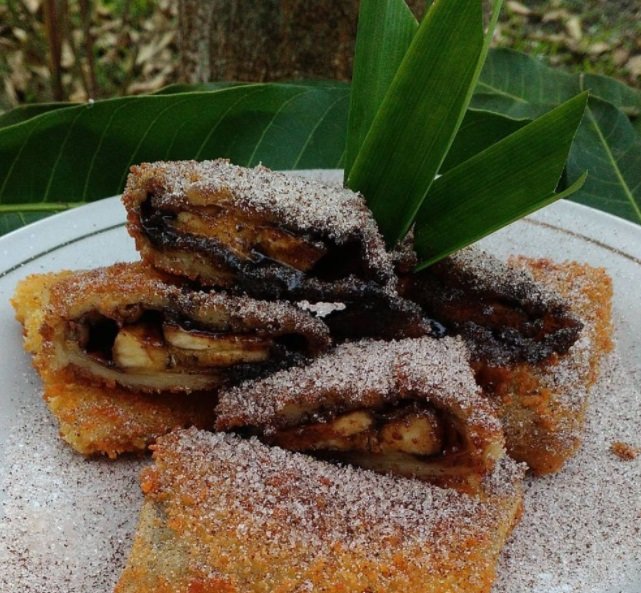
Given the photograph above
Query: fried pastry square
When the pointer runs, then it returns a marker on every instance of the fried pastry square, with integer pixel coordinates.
(266, 233)
(126, 325)
(410, 407)
(223, 514)
(537, 332)
(125, 356)
(99, 419)
(543, 406)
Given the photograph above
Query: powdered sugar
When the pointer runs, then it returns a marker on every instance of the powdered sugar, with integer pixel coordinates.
(581, 530)
(360, 374)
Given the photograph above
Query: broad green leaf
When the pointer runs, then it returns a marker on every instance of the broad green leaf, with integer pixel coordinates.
(385, 31)
(508, 180)
(479, 130)
(509, 106)
(626, 98)
(14, 220)
(420, 114)
(521, 86)
(199, 87)
(522, 81)
(609, 147)
(25, 112)
(83, 153)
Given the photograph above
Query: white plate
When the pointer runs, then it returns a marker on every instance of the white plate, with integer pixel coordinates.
(66, 523)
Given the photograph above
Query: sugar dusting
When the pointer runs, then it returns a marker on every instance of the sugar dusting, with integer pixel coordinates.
(581, 531)
(67, 523)
(360, 374)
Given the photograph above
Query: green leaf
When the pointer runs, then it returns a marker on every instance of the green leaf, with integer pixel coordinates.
(608, 143)
(15, 220)
(385, 31)
(517, 85)
(508, 180)
(420, 114)
(609, 147)
(479, 130)
(25, 112)
(521, 86)
(83, 153)
(626, 98)
(200, 87)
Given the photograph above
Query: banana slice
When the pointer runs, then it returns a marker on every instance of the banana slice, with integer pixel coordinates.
(218, 358)
(197, 348)
(140, 347)
(419, 434)
(288, 249)
(353, 423)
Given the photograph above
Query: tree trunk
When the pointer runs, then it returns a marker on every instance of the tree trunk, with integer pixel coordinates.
(268, 40)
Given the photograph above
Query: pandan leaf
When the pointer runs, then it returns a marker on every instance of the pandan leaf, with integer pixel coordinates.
(421, 113)
(506, 181)
(385, 31)
(479, 130)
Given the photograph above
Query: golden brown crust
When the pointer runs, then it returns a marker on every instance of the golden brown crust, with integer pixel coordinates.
(30, 301)
(111, 421)
(114, 292)
(222, 514)
(624, 451)
(100, 420)
(543, 406)
(380, 380)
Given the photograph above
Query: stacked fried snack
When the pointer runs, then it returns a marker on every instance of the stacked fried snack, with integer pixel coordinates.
(205, 332)
(223, 514)
(537, 332)
(126, 355)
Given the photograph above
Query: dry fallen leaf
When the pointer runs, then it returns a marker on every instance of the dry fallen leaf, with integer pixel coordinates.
(32, 5)
(555, 15)
(598, 48)
(620, 56)
(634, 66)
(518, 8)
(573, 27)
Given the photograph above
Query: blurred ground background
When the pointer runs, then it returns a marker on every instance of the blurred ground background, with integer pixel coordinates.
(109, 48)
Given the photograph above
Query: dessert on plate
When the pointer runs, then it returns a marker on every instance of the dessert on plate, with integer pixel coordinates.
(228, 514)
(536, 331)
(408, 407)
(379, 465)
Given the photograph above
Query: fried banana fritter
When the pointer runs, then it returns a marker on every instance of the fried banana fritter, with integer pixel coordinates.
(409, 407)
(223, 514)
(113, 394)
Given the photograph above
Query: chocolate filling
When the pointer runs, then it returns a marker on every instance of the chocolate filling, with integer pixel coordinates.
(97, 336)
(410, 428)
(261, 275)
